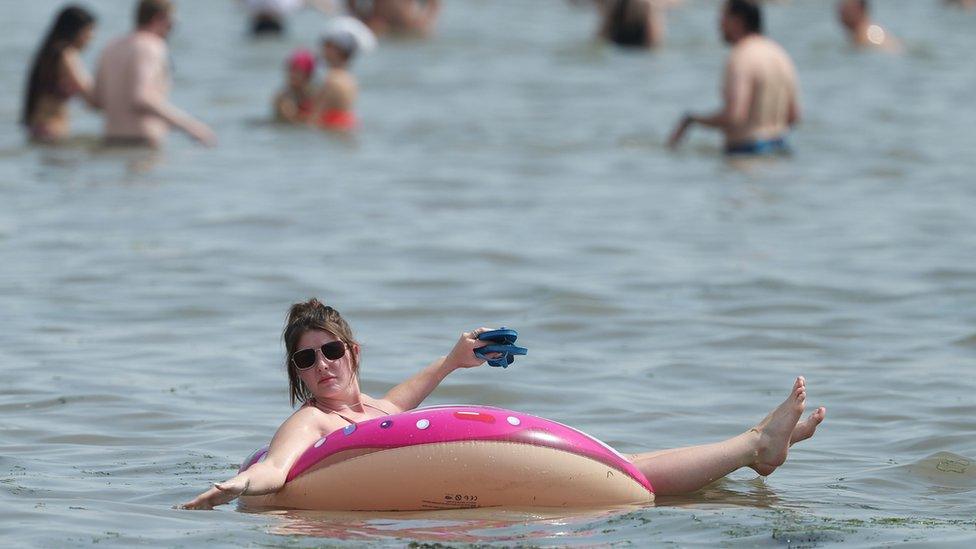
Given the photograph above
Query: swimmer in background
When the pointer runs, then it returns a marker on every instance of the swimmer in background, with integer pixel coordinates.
(760, 86)
(296, 102)
(133, 82)
(633, 23)
(397, 17)
(58, 74)
(337, 97)
(322, 361)
(965, 4)
(268, 16)
(855, 17)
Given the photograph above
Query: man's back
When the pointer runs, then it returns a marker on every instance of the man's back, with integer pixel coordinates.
(130, 69)
(761, 78)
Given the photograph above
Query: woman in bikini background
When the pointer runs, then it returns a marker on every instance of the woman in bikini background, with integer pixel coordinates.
(58, 74)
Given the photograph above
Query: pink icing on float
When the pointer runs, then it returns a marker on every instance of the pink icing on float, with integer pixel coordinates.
(450, 457)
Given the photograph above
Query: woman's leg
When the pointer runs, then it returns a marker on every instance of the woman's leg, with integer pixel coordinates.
(764, 447)
(802, 431)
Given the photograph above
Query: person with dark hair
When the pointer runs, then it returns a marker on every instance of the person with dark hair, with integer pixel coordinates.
(632, 23)
(760, 88)
(400, 17)
(57, 74)
(133, 81)
(855, 17)
(268, 16)
(322, 359)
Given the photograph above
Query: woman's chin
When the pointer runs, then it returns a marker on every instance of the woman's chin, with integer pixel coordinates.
(328, 389)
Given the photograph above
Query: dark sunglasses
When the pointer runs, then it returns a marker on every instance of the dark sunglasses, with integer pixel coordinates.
(305, 358)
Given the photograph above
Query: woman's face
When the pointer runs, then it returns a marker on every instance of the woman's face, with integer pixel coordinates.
(327, 379)
(332, 55)
(84, 37)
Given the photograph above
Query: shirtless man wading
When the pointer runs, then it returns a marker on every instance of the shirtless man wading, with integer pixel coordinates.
(132, 83)
(760, 88)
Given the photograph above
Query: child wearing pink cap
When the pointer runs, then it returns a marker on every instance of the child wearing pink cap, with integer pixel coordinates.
(295, 103)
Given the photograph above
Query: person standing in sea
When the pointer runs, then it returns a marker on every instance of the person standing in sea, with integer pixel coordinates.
(965, 4)
(855, 17)
(58, 74)
(335, 101)
(397, 17)
(268, 17)
(634, 23)
(133, 82)
(760, 93)
(295, 102)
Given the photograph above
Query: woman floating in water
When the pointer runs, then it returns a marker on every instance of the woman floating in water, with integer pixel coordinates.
(57, 75)
(322, 360)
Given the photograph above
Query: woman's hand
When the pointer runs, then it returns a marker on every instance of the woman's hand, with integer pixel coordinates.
(680, 130)
(462, 355)
(221, 493)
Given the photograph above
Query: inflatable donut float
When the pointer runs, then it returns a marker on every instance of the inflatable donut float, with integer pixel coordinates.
(456, 457)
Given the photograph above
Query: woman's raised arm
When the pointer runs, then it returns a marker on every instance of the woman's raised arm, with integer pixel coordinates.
(409, 394)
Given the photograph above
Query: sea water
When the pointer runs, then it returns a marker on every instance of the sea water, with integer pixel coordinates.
(508, 171)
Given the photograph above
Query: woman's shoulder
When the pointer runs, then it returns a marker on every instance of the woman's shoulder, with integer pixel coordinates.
(70, 53)
(382, 405)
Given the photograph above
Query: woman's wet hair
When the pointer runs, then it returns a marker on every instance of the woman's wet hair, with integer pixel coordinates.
(304, 317)
(749, 12)
(44, 72)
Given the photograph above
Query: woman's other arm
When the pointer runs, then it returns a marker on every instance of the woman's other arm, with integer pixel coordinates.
(294, 436)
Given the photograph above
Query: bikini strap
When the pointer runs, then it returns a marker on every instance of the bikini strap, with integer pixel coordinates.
(311, 403)
(377, 408)
(351, 422)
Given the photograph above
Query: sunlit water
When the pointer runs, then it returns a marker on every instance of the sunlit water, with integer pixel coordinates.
(508, 171)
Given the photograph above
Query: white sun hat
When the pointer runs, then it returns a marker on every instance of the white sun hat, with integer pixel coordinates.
(350, 34)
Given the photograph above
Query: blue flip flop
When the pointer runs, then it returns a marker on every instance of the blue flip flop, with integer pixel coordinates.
(501, 336)
(502, 340)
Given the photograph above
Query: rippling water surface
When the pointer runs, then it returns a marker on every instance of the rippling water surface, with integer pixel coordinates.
(509, 171)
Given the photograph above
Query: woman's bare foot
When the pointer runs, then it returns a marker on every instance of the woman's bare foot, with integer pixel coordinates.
(776, 430)
(808, 426)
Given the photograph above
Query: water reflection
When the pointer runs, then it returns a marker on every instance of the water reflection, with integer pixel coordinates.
(453, 526)
(80, 151)
(747, 493)
(137, 160)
